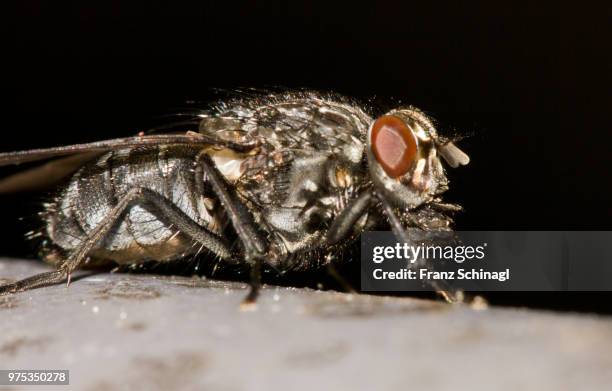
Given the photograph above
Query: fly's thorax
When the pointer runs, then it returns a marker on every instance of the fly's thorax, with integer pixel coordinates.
(298, 226)
(296, 194)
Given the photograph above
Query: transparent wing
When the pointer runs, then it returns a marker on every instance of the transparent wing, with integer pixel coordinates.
(190, 138)
(74, 156)
(46, 175)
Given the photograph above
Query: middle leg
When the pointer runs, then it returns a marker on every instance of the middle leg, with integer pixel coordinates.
(253, 241)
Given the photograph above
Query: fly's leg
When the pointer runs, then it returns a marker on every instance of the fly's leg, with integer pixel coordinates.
(39, 280)
(332, 271)
(251, 297)
(343, 224)
(342, 228)
(254, 243)
(157, 204)
(441, 288)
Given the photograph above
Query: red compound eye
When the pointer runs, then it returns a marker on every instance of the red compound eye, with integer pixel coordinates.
(394, 145)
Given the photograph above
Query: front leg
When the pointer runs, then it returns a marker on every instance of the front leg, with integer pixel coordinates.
(343, 224)
(254, 243)
(441, 287)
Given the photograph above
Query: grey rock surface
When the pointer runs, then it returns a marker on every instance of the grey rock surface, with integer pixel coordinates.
(147, 332)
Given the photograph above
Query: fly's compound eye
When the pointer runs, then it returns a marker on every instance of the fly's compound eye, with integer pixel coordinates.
(394, 145)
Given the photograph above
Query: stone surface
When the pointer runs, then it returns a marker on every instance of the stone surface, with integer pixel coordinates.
(137, 332)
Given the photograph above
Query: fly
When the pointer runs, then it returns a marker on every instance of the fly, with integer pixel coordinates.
(293, 177)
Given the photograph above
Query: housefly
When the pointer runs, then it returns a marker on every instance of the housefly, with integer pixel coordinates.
(276, 180)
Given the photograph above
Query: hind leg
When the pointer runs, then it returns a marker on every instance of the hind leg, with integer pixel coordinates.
(157, 204)
(39, 280)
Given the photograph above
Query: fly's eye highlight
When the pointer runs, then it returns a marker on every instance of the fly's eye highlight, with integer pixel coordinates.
(394, 145)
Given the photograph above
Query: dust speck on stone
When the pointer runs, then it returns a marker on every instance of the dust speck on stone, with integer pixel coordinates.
(127, 290)
(14, 346)
(197, 282)
(193, 282)
(318, 356)
(135, 326)
(365, 306)
(160, 373)
(9, 302)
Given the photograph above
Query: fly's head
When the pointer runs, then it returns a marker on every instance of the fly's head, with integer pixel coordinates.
(404, 155)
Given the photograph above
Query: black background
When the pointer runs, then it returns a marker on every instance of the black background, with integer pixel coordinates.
(529, 82)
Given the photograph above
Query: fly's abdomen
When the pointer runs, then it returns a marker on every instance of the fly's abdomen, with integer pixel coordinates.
(139, 235)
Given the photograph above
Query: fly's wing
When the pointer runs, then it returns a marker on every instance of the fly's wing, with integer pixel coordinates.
(189, 138)
(46, 175)
(76, 155)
